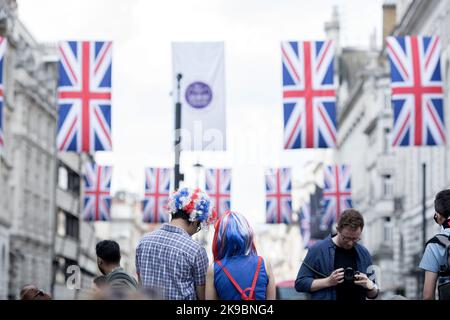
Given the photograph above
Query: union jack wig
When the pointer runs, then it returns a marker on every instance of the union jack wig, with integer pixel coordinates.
(195, 203)
(233, 236)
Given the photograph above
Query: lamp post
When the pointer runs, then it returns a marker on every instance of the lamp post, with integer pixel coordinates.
(177, 144)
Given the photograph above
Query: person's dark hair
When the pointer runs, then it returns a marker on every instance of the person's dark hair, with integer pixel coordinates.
(108, 250)
(350, 218)
(180, 214)
(31, 292)
(442, 203)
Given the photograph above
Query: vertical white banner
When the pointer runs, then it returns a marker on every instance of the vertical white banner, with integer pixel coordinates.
(202, 94)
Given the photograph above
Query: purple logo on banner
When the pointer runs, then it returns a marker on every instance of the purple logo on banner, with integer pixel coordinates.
(198, 94)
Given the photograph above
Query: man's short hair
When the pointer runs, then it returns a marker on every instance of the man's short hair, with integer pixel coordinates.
(180, 214)
(442, 203)
(350, 218)
(108, 250)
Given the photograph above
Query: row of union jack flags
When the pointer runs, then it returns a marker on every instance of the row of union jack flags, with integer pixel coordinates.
(336, 193)
(309, 93)
(97, 199)
(158, 187)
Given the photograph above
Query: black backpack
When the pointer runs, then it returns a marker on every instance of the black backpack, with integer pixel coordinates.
(444, 270)
(443, 240)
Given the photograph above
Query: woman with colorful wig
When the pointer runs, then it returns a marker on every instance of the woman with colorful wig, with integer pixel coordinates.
(237, 273)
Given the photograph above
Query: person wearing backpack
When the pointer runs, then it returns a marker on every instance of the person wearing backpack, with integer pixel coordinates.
(436, 258)
(237, 273)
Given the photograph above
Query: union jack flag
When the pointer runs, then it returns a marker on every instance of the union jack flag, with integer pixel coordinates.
(97, 199)
(218, 187)
(2, 55)
(278, 196)
(417, 90)
(157, 190)
(305, 225)
(337, 193)
(309, 96)
(84, 96)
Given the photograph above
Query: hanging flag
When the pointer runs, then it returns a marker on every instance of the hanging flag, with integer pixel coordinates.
(318, 231)
(202, 94)
(97, 199)
(309, 95)
(218, 187)
(316, 201)
(2, 58)
(84, 96)
(157, 189)
(278, 196)
(417, 90)
(305, 225)
(337, 193)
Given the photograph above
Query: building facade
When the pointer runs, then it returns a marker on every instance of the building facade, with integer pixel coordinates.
(41, 233)
(387, 182)
(75, 239)
(8, 14)
(29, 161)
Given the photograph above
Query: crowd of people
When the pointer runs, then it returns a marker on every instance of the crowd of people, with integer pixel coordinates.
(171, 265)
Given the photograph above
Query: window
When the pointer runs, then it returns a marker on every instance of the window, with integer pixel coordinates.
(61, 223)
(63, 178)
(72, 226)
(388, 190)
(387, 140)
(60, 276)
(387, 234)
(67, 225)
(74, 182)
(68, 180)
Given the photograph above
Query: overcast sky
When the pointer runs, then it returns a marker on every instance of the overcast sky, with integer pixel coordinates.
(142, 110)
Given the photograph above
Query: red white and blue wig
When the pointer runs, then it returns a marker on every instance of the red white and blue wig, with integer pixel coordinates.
(195, 202)
(233, 236)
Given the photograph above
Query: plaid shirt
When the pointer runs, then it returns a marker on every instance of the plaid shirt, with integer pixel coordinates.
(168, 259)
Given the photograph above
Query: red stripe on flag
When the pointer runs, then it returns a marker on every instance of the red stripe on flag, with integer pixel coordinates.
(102, 57)
(286, 57)
(85, 124)
(69, 133)
(400, 133)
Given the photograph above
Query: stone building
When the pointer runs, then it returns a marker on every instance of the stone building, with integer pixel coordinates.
(29, 159)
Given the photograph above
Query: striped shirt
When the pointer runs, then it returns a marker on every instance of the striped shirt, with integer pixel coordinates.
(169, 260)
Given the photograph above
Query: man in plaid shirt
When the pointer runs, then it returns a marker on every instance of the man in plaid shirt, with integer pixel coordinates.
(168, 259)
